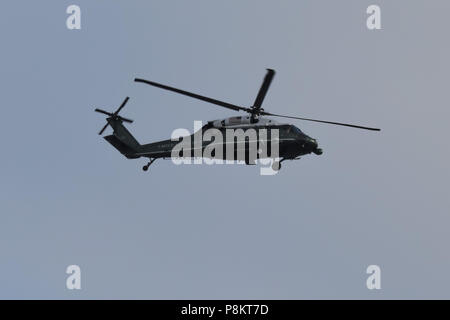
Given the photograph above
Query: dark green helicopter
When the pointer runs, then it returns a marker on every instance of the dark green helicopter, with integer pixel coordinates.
(292, 142)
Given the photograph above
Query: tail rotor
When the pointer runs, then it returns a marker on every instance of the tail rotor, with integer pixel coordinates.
(114, 116)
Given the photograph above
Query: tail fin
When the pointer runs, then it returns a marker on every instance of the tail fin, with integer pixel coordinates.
(122, 139)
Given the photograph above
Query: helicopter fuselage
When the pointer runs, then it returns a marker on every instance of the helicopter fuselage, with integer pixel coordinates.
(257, 137)
(290, 140)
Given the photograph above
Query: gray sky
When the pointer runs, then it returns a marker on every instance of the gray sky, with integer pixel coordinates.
(68, 197)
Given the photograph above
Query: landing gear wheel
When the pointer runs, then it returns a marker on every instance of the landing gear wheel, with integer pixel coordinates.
(145, 168)
(276, 166)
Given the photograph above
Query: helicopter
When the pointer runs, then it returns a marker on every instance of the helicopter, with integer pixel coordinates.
(292, 142)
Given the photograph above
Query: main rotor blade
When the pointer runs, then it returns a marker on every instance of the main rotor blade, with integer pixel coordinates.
(103, 129)
(122, 105)
(104, 112)
(194, 95)
(264, 88)
(322, 121)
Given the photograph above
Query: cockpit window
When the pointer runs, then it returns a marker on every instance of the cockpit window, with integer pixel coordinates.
(296, 130)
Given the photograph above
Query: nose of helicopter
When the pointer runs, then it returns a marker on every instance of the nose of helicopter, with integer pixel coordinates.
(313, 143)
(313, 146)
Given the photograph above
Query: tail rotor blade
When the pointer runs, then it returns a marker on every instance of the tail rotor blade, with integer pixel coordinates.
(104, 112)
(126, 120)
(122, 105)
(103, 129)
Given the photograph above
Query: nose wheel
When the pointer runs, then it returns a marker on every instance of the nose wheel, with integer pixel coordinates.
(145, 168)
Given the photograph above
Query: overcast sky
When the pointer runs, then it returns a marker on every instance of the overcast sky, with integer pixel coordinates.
(212, 232)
